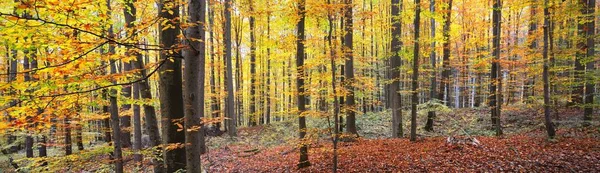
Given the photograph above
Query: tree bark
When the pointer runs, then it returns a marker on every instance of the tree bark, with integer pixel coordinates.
(394, 69)
(300, 85)
(444, 83)
(171, 93)
(494, 93)
(349, 72)
(229, 100)
(432, 93)
(194, 74)
(548, 121)
(590, 67)
(114, 107)
(253, 103)
(415, 75)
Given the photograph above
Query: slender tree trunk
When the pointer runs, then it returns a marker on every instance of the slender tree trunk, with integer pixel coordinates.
(349, 65)
(394, 70)
(590, 67)
(494, 93)
(12, 77)
(415, 75)
(444, 83)
(125, 119)
(432, 93)
(300, 85)
(548, 120)
(268, 85)
(117, 155)
(214, 104)
(238, 72)
(171, 93)
(229, 100)
(27, 78)
(194, 74)
(578, 91)
(253, 103)
(336, 109)
(137, 126)
(68, 147)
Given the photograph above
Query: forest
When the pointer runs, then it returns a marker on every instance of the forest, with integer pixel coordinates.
(299, 86)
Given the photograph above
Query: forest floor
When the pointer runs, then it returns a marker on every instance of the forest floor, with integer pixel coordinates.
(523, 148)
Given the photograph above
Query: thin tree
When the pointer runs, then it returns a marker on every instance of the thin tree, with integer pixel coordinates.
(590, 67)
(336, 109)
(253, 103)
(194, 74)
(432, 93)
(114, 107)
(229, 100)
(494, 93)
(415, 75)
(444, 83)
(394, 69)
(300, 85)
(547, 118)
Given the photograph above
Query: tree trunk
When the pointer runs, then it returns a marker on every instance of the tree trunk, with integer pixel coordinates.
(253, 103)
(394, 69)
(444, 83)
(171, 93)
(349, 65)
(229, 100)
(548, 120)
(300, 85)
(194, 74)
(125, 119)
(494, 93)
(117, 155)
(415, 75)
(590, 67)
(137, 126)
(432, 94)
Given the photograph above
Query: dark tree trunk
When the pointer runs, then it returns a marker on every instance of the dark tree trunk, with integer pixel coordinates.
(548, 120)
(238, 72)
(68, 147)
(590, 67)
(114, 107)
(171, 93)
(194, 75)
(268, 85)
(495, 79)
(415, 75)
(229, 100)
(125, 119)
(444, 83)
(300, 85)
(432, 93)
(253, 103)
(349, 65)
(137, 126)
(395, 98)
